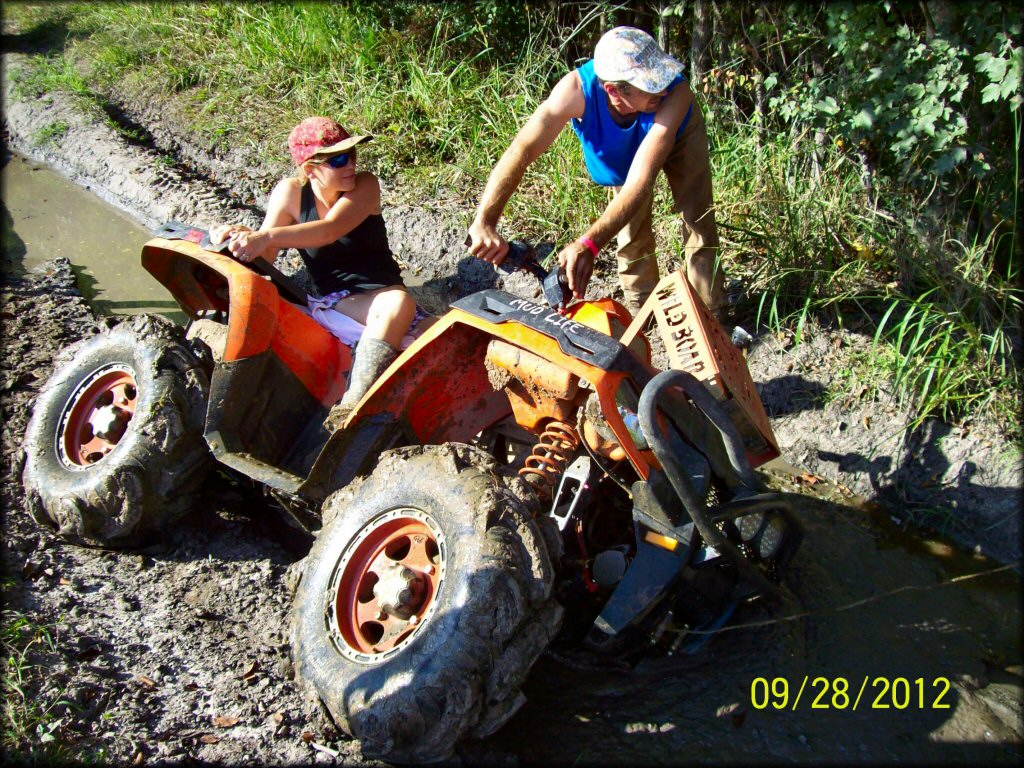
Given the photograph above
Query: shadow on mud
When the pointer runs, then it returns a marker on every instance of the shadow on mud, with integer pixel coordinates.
(435, 294)
(786, 395)
(50, 36)
(13, 246)
(237, 523)
(915, 484)
(911, 476)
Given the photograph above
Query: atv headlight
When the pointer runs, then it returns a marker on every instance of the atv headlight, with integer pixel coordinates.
(771, 537)
(749, 525)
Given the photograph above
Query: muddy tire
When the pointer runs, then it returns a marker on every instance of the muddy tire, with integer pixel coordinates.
(475, 573)
(114, 450)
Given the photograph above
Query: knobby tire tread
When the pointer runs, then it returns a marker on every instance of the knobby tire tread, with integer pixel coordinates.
(154, 474)
(488, 650)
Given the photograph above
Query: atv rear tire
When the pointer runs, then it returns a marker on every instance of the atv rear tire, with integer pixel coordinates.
(114, 450)
(477, 577)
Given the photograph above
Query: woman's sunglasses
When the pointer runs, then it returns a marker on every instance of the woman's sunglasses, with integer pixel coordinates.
(338, 161)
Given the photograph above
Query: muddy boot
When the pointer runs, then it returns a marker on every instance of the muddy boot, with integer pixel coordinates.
(372, 357)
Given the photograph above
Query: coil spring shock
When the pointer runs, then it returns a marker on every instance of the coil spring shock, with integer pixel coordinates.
(550, 456)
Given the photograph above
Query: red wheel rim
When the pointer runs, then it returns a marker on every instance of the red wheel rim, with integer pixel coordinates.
(386, 585)
(97, 416)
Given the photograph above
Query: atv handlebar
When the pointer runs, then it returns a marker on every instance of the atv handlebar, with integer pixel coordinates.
(175, 230)
(523, 255)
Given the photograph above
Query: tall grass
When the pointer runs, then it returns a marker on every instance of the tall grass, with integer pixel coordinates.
(944, 321)
(444, 93)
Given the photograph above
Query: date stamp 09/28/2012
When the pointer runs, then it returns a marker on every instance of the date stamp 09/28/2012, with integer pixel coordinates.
(838, 693)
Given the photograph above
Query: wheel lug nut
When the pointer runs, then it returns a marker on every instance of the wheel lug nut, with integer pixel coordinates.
(414, 620)
(382, 615)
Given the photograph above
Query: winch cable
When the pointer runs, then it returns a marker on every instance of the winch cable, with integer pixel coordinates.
(857, 603)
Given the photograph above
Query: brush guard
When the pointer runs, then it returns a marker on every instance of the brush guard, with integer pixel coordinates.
(665, 537)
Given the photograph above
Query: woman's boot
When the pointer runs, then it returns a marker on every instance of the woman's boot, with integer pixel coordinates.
(372, 357)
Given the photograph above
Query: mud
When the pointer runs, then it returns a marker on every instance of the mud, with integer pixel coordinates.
(178, 653)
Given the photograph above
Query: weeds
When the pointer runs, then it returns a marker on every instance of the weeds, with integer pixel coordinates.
(31, 727)
(51, 132)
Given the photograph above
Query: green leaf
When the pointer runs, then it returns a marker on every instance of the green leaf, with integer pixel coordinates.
(949, 160)
(865, 119)
(770, 82)
(828, 105)
(915, 90)
(993, 66)
(990, 93)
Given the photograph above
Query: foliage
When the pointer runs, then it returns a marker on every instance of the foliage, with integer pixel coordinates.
(909, 102)
(52, 132)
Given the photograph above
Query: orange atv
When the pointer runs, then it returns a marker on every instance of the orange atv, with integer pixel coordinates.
(518, 478)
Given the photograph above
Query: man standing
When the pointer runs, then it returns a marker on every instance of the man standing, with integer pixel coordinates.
(635, 115)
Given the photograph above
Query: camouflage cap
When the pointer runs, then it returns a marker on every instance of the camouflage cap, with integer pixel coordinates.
(320, 136)
(628, 54)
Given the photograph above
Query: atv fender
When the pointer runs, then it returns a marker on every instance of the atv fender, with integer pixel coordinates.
(260, 320)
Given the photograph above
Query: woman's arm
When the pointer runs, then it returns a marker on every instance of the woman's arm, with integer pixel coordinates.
(283, 208)
(346, 214)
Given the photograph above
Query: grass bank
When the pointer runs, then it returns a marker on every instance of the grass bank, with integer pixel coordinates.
(444, 89)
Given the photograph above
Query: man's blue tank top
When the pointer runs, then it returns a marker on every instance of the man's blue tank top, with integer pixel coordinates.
(608, 148)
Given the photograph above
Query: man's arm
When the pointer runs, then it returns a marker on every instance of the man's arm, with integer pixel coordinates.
(540, 131)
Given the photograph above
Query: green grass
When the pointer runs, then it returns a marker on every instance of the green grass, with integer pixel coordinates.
(445, 87)
(32, 729)
(51, 132)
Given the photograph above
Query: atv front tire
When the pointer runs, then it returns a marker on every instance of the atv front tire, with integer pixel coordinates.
(114, 450)
(423, 604)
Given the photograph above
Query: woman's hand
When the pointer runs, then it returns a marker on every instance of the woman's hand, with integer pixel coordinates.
(221, 232)
(247, 245)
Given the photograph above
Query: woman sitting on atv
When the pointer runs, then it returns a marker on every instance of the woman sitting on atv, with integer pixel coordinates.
(332, 215)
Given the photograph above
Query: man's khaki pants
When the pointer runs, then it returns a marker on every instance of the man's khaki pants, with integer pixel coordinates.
(688, 170)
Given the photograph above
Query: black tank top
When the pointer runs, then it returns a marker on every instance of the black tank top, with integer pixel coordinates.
(359, 261)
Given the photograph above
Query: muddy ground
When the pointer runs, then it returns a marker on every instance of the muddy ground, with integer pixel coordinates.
(179, 652)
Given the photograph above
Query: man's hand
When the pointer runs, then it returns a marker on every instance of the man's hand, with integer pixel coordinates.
(486, 244)
(247, 246)
(578, 263)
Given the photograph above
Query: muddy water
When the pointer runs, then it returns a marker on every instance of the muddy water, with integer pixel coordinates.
(46, 216)
(903, 652)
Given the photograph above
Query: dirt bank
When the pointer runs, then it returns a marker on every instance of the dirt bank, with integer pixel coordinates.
(178, 653)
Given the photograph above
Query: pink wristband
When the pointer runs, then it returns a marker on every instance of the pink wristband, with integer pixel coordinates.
(591, 245)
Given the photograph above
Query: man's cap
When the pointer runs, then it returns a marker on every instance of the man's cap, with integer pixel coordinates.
(320, 136)
(628, 54)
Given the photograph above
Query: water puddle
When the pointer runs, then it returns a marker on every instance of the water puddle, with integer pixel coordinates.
(45, 216)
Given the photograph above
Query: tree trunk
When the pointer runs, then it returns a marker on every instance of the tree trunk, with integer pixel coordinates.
(755, 43)
(664, 19)
(941, 18)
(818, 70)
(699, 48)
